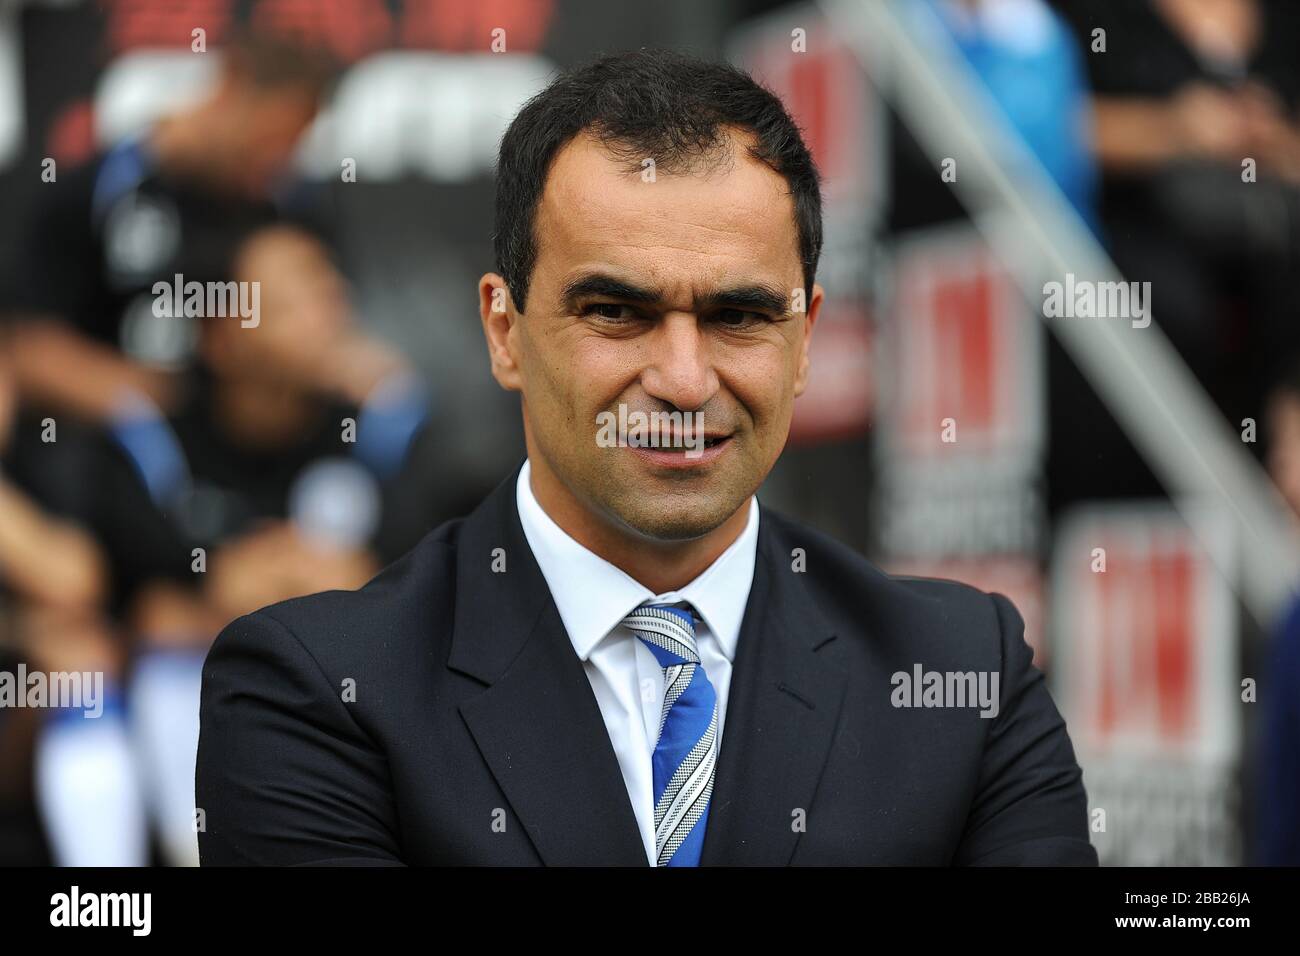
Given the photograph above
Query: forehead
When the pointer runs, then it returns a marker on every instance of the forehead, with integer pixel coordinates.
(729, 220)
(279, 249)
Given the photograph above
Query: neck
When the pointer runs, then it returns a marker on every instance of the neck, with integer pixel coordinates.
(660, 566)
(260, 414)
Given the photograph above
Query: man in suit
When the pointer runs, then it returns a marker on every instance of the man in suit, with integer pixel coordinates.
(620, 657)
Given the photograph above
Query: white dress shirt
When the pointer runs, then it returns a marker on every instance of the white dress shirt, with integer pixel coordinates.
(593, 597)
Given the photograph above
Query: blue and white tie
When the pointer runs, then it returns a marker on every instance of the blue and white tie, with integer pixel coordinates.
(686, 751)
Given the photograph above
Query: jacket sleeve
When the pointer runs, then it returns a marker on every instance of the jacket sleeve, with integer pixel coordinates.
(1030, 808)
(284, 775)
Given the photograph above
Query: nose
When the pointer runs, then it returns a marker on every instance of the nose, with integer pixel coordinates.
(680, 371)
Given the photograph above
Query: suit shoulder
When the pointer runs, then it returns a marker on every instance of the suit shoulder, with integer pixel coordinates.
(844, 564)
(400, 601)
(862, 596)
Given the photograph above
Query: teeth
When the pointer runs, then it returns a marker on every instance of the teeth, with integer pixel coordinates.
(680, 445)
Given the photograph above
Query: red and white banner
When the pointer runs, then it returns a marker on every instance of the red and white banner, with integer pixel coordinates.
(793, 52)
(1146, 673)
(962, 347)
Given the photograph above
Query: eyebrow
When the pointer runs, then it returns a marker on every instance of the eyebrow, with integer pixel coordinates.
(596, 284)
(751, 298)
(758, 297)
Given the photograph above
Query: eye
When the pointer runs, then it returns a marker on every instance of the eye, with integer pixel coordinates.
(610, 311)
(739, 318)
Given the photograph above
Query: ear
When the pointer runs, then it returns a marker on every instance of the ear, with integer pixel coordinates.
(814, 309)
(497, 311)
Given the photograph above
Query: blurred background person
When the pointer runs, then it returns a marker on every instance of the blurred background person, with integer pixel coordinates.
(54, 581)
(1186, 93)
(87, 351)
(284, 463)
(167, 201)
(1027, 58)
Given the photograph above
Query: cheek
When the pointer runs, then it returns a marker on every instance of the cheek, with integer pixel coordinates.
(602, 371)
(556, 383)
(762, 380)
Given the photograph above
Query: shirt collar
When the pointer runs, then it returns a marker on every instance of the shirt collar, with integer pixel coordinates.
(593, 596)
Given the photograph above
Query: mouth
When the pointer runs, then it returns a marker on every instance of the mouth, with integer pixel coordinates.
(675, 455)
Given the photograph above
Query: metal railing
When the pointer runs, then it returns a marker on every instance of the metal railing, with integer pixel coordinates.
(1036, 233)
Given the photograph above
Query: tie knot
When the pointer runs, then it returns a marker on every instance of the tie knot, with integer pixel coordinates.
(668, 630)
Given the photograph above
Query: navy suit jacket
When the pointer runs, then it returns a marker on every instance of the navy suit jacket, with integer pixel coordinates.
(439, 715)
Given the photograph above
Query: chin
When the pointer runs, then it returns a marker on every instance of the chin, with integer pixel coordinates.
(675, 520)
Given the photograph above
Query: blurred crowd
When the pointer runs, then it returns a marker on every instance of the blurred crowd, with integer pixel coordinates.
(1195, 110)
(270, 448)
(1173, 127)
(281, 448)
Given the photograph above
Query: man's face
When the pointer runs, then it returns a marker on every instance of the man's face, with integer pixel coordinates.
(671, 295)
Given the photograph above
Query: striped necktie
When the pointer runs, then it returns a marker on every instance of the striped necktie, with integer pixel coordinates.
(686, 751)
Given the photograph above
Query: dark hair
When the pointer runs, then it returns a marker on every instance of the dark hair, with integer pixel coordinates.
(668, 106)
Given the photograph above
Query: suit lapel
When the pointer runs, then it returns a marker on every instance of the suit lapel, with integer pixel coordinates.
(782, 710)
(541, 732)
(537, 724)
